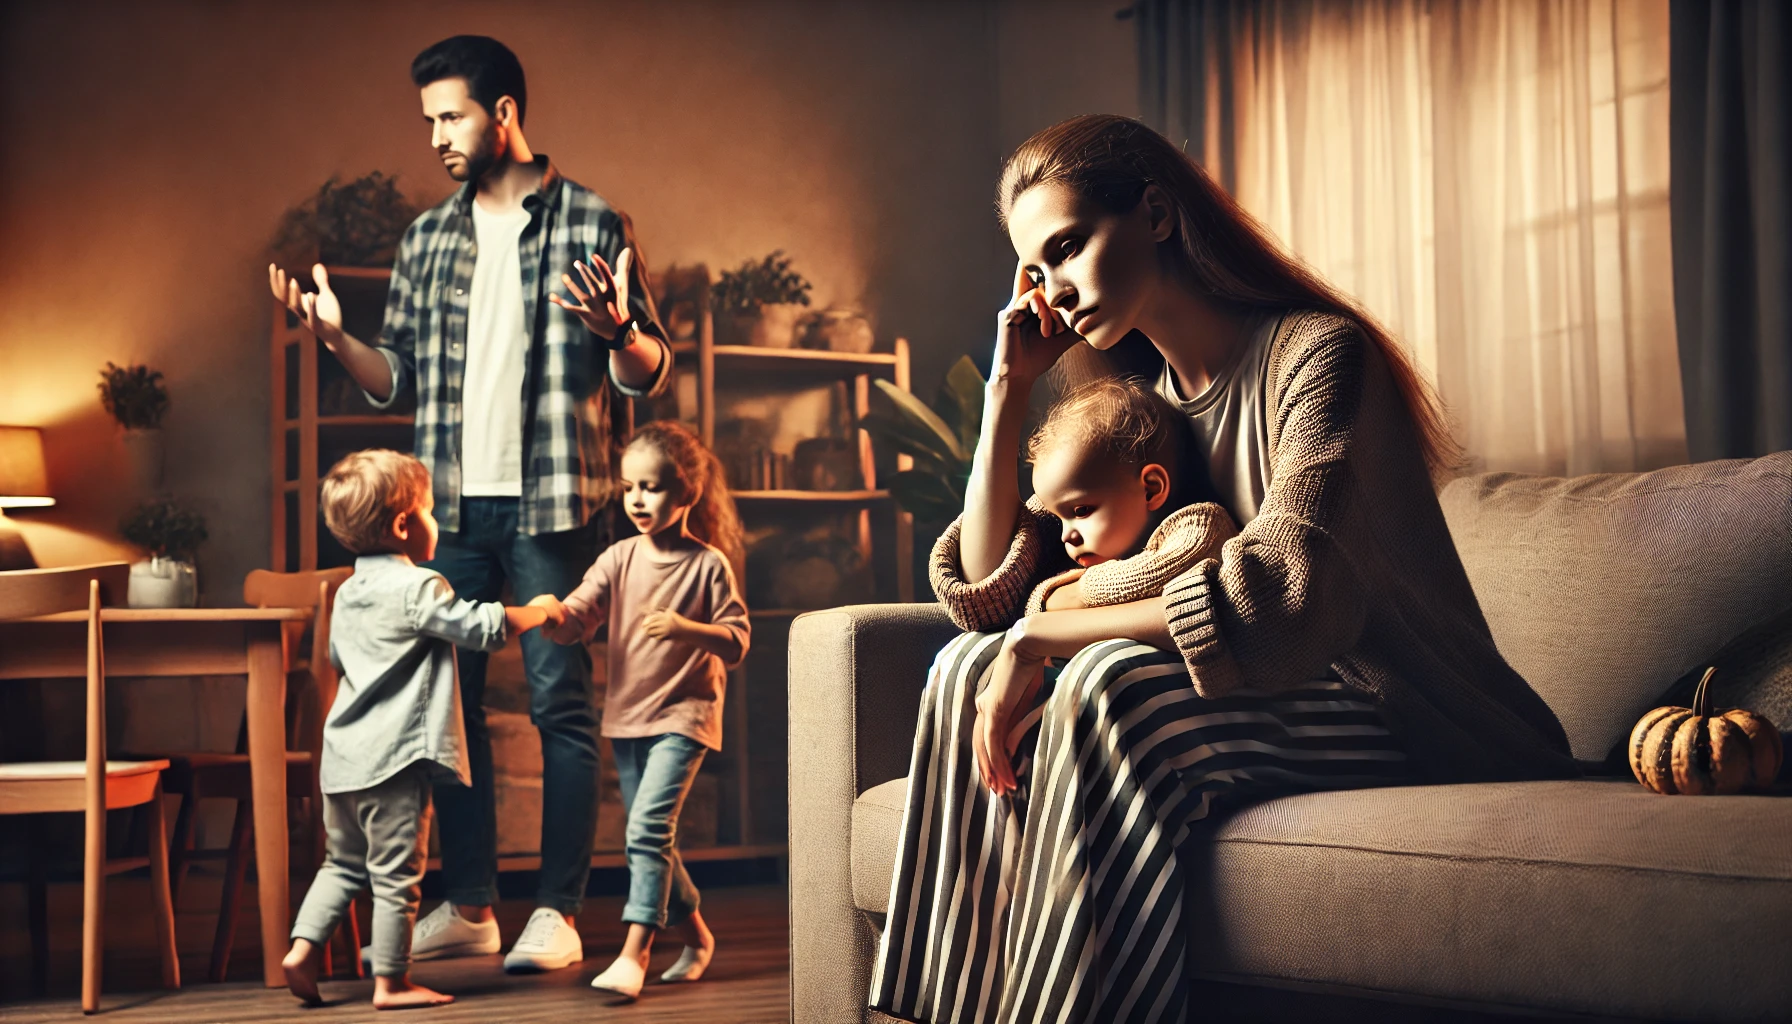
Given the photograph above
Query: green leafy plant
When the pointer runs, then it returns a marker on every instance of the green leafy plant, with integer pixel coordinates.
(353, 224)
(134, 395)
(165, 529)
(940, 438)
(740, 292)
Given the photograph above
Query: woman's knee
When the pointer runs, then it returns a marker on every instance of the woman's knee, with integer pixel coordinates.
(1095, 671)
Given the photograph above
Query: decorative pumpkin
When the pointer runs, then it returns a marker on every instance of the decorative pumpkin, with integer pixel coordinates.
(1688, 750)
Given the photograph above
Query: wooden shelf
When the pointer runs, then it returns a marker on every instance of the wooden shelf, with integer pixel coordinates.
(753, 357)
(369, 273)
(814, 497)
(368, 420)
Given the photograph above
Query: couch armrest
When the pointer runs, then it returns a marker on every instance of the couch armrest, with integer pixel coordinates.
(856, 676)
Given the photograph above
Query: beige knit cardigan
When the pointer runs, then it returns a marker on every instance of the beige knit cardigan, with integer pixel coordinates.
(1348, 566)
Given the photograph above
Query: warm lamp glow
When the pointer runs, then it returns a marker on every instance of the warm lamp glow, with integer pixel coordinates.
(23, 482)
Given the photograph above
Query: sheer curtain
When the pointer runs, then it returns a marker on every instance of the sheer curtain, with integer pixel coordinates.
(1489, 178)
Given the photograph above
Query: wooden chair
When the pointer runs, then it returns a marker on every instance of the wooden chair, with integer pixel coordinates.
(205, 775)
(93, 786)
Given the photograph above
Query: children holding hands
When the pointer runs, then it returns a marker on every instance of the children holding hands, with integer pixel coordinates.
(395, 728)
(676, 625)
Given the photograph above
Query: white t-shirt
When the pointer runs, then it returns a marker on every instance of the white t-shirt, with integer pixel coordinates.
(1230, 421)
(491, 405)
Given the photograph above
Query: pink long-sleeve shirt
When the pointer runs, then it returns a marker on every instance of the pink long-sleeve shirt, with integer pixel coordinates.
(659, 686)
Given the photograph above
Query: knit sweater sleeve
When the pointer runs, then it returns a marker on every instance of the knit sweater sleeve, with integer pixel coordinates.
(1179, 543)
(1282, 600)
(999, 600)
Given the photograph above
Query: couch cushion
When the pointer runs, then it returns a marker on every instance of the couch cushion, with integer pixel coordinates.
(876, 819)
(1602, 590)
(1575, 896)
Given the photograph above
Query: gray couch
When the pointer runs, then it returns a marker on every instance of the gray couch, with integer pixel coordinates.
(1589, 897)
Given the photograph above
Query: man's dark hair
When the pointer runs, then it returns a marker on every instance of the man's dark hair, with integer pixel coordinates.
(489, 68)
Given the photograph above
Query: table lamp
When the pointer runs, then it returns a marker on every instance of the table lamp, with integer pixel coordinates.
(23, 484)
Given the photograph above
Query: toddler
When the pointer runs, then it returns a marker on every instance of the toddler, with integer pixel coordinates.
(395, 726)
(1117, 477)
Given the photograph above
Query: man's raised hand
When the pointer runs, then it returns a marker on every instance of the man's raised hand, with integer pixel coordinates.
(602, 304)
(321, 313)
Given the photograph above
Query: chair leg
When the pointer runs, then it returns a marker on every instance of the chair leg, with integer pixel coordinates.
(164, 897)
(180, 846)
(93, 907)
(240, 832)
(38, 906)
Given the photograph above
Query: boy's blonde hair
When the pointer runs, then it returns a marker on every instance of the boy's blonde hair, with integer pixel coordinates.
(367, 490)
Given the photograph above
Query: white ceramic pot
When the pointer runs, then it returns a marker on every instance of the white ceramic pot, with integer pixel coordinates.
(162, 583)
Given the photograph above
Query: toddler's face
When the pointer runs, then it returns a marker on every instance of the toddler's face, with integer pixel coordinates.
(1105, 506)
(651, 494)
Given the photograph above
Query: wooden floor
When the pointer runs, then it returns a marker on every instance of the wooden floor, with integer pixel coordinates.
(748, 982)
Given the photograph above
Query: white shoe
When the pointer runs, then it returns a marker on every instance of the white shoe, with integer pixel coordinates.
(691, 964)
(548, 943)
(444, 934)
(623, 978)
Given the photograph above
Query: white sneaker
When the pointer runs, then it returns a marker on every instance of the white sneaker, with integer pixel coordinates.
(622, 978)
(690, 966)
(444, 934)
(548, 943)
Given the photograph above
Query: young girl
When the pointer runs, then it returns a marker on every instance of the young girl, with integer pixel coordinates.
(677, 624)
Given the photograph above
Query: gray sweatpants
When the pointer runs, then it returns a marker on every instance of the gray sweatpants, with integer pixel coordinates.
(378, 839)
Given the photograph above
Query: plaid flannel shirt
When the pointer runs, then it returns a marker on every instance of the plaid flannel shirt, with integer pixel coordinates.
(568, 461)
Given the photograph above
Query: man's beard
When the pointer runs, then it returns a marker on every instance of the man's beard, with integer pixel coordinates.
(474, 165)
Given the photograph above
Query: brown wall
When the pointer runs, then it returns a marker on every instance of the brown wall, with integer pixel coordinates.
(151, 149)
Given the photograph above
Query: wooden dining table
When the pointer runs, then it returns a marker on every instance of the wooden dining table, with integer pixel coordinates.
(193, 642)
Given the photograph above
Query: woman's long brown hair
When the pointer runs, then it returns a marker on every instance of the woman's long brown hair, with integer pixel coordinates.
(1225, 253)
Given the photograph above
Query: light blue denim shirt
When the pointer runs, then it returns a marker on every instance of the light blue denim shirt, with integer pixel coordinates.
(393, 630)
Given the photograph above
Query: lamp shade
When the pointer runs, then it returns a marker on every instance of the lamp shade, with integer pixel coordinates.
(23, 482)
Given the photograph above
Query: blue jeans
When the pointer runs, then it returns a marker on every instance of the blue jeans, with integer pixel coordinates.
(477, 559)
(656, 773)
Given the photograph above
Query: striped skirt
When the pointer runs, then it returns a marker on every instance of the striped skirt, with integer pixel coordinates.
(1063, 901)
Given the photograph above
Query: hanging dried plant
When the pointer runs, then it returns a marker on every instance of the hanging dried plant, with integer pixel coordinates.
(134, 395)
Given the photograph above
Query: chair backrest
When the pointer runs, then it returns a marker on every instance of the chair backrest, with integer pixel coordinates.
(25, 593)
(315, 590)
(30, 592)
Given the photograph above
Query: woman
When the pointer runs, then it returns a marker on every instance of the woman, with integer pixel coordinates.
(1336, 642)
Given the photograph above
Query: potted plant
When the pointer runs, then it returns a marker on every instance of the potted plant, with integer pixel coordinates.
(353, 224)
(137, 399)
(171, 534)
(759, 302)
(940, 439)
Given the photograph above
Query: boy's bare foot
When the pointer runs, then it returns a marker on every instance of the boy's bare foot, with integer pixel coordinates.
(301, 965)
(401, 993)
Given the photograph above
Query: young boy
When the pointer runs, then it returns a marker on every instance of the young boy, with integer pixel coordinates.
(395, 727)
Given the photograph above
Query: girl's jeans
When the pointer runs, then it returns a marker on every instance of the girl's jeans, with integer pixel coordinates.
(656, 773)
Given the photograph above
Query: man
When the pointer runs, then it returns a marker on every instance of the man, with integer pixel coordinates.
(513, 421)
